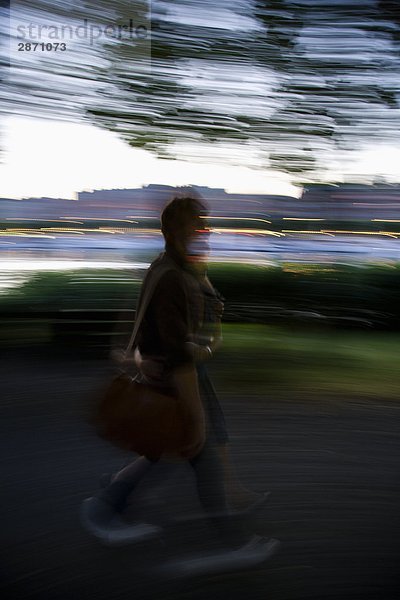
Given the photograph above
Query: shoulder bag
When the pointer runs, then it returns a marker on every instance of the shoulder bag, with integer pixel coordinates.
(136, 416)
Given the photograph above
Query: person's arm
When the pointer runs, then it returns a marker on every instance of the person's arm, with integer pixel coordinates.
(170, 309)
(211, 341)
(218, 306)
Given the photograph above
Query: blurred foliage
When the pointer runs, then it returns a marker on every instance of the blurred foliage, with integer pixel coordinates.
(77, 311)
(277, 83)
(289, 349)
(314, 295)
(302, 295)
(54, 291)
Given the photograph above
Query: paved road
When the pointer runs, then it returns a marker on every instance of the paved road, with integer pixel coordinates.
(332, 467)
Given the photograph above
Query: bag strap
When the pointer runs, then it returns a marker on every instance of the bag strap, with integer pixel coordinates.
(145, 301)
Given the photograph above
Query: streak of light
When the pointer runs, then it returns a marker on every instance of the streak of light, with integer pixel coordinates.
(71, 230)
(329, 233)
(99, 219)
(29, 235)
(344, 232)
(239, 219)
(252, 231)
(28, 220)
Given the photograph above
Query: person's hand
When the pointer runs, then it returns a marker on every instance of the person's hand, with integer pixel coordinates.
(150, 368)
(198, 352)
(121, 358)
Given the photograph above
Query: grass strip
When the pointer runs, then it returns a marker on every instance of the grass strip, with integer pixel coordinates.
(288, 361)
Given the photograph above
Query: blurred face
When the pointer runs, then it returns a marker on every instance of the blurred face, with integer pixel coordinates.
(197, 245)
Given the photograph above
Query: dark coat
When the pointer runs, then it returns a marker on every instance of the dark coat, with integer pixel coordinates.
(175, 312)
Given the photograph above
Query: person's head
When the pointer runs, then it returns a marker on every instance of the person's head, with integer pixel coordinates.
(182, 222)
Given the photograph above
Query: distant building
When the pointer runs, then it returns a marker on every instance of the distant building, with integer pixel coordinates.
(35, 208)
(349, 201)
(344, 202)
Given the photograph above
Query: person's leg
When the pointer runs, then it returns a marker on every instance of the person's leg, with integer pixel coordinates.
(208, 472)
(99, 514)
(239, 497)
(210, 487)
(124, 482)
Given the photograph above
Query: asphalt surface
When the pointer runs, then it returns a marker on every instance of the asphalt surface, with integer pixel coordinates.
(332, 466)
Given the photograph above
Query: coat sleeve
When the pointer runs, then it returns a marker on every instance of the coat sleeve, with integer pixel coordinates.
(169, 308)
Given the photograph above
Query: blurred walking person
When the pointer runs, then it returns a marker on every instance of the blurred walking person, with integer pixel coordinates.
(179, 332)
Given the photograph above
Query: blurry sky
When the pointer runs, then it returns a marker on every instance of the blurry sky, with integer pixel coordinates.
(57, 159)
(251, 87)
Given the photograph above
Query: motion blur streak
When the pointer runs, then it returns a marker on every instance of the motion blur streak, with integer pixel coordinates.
(293, 86)
(308, 371)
